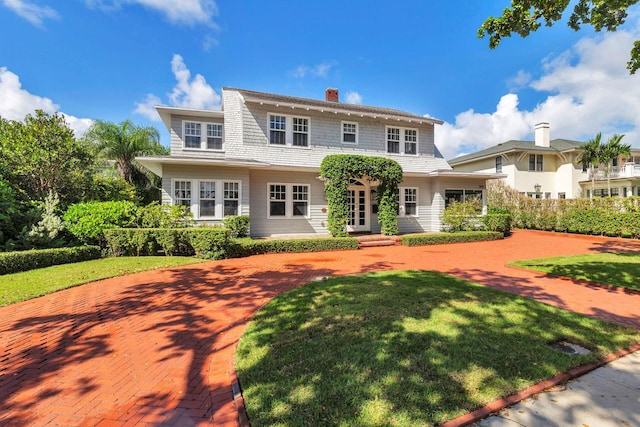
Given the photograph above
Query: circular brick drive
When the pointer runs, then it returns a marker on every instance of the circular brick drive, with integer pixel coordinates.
(157, 347)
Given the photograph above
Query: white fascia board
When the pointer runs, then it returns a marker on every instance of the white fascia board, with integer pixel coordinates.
(154, 163)
(166, 112)
(457, 174)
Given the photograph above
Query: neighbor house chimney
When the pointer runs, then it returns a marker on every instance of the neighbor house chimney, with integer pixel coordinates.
(332, 94)
(542, 135)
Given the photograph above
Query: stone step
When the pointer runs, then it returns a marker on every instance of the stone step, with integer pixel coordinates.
(378, 240)
(375, 243)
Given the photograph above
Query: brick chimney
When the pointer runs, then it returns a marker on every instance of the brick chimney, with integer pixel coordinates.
(332, 94)
(542, 135)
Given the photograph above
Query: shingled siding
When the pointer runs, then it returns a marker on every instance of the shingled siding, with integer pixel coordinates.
(177, 143)
(428, 215)
(246, 136)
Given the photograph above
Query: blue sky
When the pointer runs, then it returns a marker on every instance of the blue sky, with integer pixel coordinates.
(115, 59)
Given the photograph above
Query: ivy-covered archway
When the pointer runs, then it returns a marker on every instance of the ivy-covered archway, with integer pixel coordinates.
(338, 169)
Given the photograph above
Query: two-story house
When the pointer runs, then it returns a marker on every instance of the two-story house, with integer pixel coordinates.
(260, 156)
(623, 179)
(542, 168)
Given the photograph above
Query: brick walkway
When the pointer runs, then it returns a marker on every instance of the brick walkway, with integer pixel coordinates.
(157, 347)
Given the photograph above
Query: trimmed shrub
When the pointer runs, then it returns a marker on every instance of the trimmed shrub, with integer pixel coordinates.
(14, 262)
(460, 237)
(173, 241)
(87, 221)
(461, 216)
(497, 222)
(238, 225)
(209, 242)
(246, 247)
(155, 215)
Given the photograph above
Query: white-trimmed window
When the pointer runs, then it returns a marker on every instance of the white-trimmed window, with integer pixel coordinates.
(408, 201)
(210, 199)
(402, 140)
(288, 130)
(207, 198)
(288, 200)
(202, 136)
(192, 135)
(231, 198)
(349, 133)
(451, 195)
(300, 132)
(182, 193)
(214, 136)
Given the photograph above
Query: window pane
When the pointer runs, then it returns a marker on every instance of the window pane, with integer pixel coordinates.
(498, 164)
(452, 196)
(532, 162)
(409, 148)
(300, 208)
(277, 137)
(349, 132)
(191, 135)
(192, 141)
(182, 193)
(539, 167)
(393, 147)
(410, 141)
(230, 207)
(300, 139)
(207, 208)
(349, 137)
(214, 143)
(473, 194)
(300, 195)
(277, 208)
(410, 209)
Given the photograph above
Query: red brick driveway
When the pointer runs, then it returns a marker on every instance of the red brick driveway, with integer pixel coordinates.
(157, 348)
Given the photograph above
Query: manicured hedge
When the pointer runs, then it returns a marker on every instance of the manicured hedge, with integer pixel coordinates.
(459, 237)
(204, 242)
(247, 247)
(497, 222)
(14, 262)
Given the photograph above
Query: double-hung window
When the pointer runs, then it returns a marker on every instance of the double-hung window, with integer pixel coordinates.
(408, 137)
(300, 132)
(409, 201)
(349, 133)
(231, 198)
(202, 136)
(288, 200)
(214, 136)
(192, 135)
(207, 199)
(182, 193)
(277, 129)
(535, 162)
(288, 130)
(210, 199)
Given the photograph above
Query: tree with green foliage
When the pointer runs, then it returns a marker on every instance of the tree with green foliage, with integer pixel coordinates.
(590, 158)
(611, 150)
(526, 16)
(41, 155)
(122, 143)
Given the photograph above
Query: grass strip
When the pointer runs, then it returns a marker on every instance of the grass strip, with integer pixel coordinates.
(616, 269)
(408, 348)
(34, 283)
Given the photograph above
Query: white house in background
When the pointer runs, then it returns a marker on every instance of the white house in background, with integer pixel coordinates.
(260, 156)
(624, 177)
(543, 168)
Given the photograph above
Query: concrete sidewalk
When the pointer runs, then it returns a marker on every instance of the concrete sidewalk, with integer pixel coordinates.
(606, 397)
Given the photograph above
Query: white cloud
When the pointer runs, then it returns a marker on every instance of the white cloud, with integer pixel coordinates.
(185, 12)
(147, 108)
(30, 11)
(353, 98)
(319, 70)
(188, 93)
(587, 89)
(191, 92)
(16, 103)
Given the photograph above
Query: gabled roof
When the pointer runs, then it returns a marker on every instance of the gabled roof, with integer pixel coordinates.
(332, 107)
(556, 146)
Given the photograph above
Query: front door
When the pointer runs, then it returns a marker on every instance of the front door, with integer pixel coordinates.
(358, 200)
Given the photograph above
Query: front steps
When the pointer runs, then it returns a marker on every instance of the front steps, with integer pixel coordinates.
(376, 240)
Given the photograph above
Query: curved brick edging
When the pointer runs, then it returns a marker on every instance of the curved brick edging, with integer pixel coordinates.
(558, 379)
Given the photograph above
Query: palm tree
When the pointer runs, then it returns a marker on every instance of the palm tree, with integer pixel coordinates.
(590, 157)
(613, 149)
(123, 142)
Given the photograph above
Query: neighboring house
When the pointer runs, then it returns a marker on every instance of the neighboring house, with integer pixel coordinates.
(542, 168)
(624, 178)
(260, 156)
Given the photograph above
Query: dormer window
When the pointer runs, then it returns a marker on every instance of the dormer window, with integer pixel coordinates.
(194, 132)
(402, 141)
(349, 133)
(288, 130)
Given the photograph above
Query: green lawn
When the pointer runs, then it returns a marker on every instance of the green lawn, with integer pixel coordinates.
(617, 269)
(30, 284)
(403, 349)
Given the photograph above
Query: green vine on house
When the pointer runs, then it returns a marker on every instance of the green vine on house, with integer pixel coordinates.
(339, 169)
